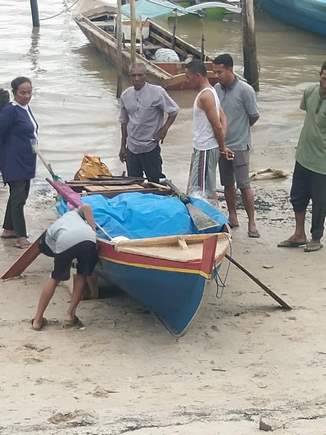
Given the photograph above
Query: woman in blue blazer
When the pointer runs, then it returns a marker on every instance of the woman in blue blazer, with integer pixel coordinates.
(18, 139)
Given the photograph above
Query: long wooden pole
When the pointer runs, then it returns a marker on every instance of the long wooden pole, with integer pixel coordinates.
(251, 71)
(118, 29)
(35, 14)
(133, 31)
(258, 282)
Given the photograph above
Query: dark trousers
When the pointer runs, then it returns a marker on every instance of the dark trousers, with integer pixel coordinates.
(14, 217)
(308, 185)
(150, 163)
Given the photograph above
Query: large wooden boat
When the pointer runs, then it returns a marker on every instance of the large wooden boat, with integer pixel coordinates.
(306, 14)
(99, 26)
(165, 274)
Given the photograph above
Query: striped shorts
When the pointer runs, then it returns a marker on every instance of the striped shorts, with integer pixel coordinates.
(202, 174)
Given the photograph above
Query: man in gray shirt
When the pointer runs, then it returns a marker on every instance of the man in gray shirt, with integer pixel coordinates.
(142, 125)
(71, 237)
(238, 101)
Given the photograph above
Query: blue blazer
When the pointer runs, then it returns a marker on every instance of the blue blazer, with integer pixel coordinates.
(17, 135)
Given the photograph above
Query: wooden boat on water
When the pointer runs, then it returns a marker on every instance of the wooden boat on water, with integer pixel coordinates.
(165, 274)
(99, 26)
(306, 14)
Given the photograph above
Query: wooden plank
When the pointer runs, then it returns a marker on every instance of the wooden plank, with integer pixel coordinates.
(26, 259)
(128, 188)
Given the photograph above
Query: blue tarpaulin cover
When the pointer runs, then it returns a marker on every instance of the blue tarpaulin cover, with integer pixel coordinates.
(137, 215)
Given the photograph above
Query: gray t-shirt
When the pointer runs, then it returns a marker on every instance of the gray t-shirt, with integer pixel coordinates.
(67, 231)
(143, 112)
(239, 104)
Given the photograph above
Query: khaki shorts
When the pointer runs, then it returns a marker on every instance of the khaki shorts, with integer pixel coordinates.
(202, 174)
(236, 170)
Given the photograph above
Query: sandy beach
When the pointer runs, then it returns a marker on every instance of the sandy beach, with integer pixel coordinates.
(242, 360)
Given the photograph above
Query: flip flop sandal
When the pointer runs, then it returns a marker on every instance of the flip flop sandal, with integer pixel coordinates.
(253, 234)
(75, 323)
(43, 324)
(313, 246)
(23, 245)
(290, 244)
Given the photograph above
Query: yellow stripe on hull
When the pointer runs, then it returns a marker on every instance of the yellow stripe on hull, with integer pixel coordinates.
(167, 269)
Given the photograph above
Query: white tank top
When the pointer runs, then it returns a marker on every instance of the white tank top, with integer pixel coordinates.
(203, 134)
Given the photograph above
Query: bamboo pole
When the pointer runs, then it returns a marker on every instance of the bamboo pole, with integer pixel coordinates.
(202, 47)
(35, 14)
(251, 72)
(118, 31)
(133, 31)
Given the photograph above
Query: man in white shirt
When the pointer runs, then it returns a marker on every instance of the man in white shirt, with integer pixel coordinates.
(143, 107)
(209, 125)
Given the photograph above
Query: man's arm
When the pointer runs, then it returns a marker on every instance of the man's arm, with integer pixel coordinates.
(124, 118)
(224, 120)
(253, 119)
(250, 104)
(162, 132)
(123, 147)
(86, 212)
(208, 104)
(169, 106)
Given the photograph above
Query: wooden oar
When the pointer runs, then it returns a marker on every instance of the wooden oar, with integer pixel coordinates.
(200, 219)
(22, 262)
(258, 282)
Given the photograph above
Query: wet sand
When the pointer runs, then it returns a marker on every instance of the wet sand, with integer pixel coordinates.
(242, 359)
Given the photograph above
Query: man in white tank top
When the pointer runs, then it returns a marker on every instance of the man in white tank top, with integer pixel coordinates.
(209, 125)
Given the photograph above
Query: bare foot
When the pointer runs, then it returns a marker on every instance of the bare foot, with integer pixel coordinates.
(252, 231)
(233, 220)
(298, 238)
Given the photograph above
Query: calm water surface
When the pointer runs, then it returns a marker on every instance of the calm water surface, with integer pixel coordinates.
(74, 86)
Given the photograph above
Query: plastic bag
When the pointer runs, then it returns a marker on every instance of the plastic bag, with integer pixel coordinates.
(92, 167)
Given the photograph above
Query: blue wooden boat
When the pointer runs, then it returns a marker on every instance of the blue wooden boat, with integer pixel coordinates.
(166, 274)
(309, 15)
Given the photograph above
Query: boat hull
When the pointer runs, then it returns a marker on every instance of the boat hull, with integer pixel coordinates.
(172, 290)
(171, 75)
(309, 15)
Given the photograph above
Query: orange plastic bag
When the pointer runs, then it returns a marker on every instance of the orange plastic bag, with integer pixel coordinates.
(92, 167)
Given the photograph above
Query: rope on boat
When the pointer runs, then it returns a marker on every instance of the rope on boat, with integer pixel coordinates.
(221, 283)
(67, 9)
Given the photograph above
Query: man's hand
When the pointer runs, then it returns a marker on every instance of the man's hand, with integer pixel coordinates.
(227, 154)
(159, 136)
(123, 154)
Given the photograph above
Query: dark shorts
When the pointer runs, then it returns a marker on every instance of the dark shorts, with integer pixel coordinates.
(307, 185)
(149, 163)
(85, 253)
(236, 170)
